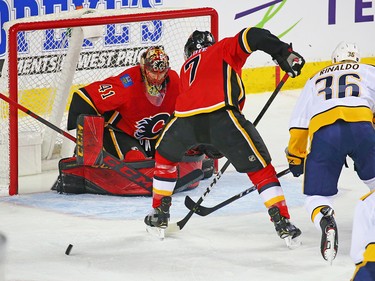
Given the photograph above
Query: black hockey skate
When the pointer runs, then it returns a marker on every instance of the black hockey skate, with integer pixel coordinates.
(159, 216)
(285, 229)
(329, 242)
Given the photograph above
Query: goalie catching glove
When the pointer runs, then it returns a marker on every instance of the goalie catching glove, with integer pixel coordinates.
(289, 61)
(296, 164)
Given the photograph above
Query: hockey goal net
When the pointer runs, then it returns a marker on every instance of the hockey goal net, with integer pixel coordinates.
(49, 56)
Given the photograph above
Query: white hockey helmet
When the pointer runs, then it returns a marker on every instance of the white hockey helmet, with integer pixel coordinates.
(346, 51)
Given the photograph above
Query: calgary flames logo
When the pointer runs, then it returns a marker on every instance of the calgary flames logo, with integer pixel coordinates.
(150, 127)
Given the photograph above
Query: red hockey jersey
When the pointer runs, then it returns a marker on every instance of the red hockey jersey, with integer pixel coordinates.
(220, 66)
(122, 100)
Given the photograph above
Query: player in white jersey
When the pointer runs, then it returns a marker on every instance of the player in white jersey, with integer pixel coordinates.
(333, 119)
(362, 250)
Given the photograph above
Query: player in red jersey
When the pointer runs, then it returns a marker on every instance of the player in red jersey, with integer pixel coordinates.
(208, 112)
(136, 104)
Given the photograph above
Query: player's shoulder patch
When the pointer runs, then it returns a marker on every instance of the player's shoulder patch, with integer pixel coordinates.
(126, 80)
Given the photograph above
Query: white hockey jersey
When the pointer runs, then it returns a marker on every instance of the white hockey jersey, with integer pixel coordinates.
(340, 91)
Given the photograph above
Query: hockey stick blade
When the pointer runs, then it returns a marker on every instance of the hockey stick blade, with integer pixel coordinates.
(204, 211)
(184, 182)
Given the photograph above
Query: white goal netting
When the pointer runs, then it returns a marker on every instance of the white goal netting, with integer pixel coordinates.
(50, 56)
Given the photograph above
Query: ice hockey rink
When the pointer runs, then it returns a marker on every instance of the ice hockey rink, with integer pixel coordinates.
(237, 243)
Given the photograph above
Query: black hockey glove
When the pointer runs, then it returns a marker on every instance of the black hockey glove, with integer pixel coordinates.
(296, 164)
(289, 61)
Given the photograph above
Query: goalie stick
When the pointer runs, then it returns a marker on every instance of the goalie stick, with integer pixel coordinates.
(204, 211)
(109, 160)
(174, 227)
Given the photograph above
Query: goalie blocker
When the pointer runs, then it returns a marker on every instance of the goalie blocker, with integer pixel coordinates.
(85, 174)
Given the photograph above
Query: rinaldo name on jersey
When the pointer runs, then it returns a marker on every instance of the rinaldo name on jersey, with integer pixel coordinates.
(336, 67)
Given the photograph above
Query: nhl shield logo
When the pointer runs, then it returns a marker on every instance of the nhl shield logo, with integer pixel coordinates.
(252, 158)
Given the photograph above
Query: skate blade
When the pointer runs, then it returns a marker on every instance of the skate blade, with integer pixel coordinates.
(329, 253)
(293, 243)
(156, 232)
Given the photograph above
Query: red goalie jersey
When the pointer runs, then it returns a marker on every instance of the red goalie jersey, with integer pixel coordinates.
(124, 103)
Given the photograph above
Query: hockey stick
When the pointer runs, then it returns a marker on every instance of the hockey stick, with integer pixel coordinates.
(204, 211)
(173, 227)
(37, 117)
(271, 98)
(184, 182)
(109, 160)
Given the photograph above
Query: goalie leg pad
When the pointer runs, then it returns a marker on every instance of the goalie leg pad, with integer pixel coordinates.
(71, 178)
(77, 179)
(90, 131)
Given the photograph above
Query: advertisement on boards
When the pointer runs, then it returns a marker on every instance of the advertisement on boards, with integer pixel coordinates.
(313, 27)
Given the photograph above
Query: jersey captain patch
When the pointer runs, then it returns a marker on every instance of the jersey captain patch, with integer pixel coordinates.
(126, 80)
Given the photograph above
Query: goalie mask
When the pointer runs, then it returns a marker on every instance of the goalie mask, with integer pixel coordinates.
(155, 65)
(198, 40)
(345, 52)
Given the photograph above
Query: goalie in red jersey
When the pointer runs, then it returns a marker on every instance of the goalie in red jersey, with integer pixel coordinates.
(135, 104)
(208, 112)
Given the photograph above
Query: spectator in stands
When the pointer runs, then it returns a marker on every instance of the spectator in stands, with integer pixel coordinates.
(334, 113)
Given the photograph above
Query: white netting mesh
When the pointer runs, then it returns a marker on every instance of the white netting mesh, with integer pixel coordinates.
(54, 62)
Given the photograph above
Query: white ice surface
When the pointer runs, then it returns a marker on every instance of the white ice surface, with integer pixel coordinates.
(235, 243)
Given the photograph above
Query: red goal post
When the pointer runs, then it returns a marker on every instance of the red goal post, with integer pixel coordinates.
(52, 55)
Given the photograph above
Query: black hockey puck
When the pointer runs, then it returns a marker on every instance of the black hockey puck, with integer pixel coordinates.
(67, 252)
